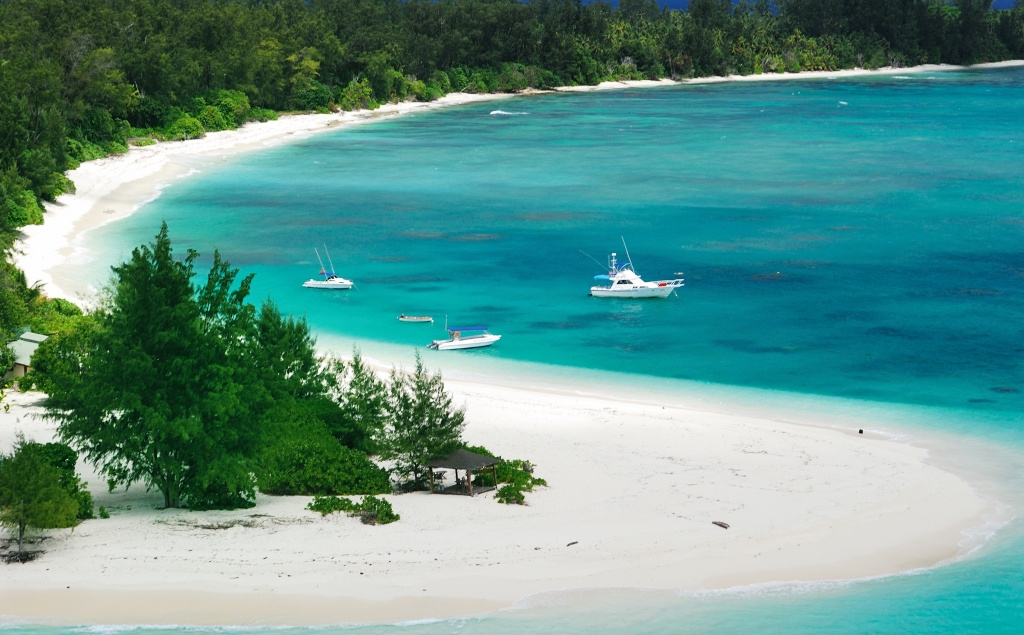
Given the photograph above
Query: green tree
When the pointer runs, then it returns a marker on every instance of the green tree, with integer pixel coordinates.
(167, 391)
(31, 496)
(423, 423)
(362, 399)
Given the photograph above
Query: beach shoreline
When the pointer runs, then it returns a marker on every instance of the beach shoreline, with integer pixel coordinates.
(633, 491)
(634, 485)
(112, 188)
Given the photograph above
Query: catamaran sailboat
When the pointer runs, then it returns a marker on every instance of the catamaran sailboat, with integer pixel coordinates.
(457, 341)
(624, 282)
(330, 281)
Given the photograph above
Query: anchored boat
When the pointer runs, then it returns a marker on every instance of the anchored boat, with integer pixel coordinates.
(458, 341)
(415, 318)
(624, 282)
(330, 281)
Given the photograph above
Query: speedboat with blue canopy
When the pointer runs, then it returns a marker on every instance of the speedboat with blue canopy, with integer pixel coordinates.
(624, 282)
(330, 281)
(456, 340)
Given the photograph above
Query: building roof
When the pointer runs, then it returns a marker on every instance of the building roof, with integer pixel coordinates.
(24, 346)
(464, 460)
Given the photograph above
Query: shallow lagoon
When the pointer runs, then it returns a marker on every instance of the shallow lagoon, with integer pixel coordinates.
(841, 240)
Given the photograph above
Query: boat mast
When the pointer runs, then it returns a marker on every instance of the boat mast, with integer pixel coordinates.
(329, 260)
(623, 246)
(320, 261)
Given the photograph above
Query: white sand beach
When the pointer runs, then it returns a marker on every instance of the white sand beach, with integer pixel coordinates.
(634, 487)
(633, 492)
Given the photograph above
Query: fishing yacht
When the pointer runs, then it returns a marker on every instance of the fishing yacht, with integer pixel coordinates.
(330, 281)
(624, 282)
(457, 341)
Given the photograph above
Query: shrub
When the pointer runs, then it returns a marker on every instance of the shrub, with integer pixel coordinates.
(330, 504)
(186, 128)
(142, 142)
(262, 114)
(308, 459)
(103, 512)
(371, 511)
(457, 79)
(510, 495)
(356, 96)
(316, 97)
(233, 106)
(515, 473)
(212, 118)
(377, 511)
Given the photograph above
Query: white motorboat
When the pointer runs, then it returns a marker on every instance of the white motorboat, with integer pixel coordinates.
(624, 282)
(458, 341)
(415, 318)
(330, 281)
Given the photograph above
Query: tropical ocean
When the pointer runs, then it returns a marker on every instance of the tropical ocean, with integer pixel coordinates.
(853, 252)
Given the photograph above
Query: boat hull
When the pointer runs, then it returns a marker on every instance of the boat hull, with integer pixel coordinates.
(473, 341)
(415, 319)
(640, 292)
(319, 284)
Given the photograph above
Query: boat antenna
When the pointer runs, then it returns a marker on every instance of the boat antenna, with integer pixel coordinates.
(318, 259)
(623, 246)
(333, 272)
(592, 258)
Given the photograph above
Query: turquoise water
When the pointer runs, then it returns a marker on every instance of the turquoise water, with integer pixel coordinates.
(854, 245)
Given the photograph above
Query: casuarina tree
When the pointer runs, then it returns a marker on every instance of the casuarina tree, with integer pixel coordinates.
(423, 423)
(31, 495)
(173, 388)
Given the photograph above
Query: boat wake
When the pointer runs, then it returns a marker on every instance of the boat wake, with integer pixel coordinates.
(502, 113)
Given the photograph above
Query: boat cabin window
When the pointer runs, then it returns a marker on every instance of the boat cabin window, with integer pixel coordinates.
(624, 282)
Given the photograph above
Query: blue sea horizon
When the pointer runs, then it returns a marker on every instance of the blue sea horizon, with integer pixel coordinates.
(852, 251)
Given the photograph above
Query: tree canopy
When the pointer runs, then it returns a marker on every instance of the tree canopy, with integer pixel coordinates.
(31, 492)
(177, 384)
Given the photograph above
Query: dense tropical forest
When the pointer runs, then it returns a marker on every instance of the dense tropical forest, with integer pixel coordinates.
(81, 79)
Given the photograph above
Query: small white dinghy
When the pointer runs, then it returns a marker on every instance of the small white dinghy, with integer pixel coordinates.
(456, 340)
(330, 281)
(415, 318)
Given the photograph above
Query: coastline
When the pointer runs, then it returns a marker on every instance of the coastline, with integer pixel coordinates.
(114, 187)
(633, 491)
(859, 506)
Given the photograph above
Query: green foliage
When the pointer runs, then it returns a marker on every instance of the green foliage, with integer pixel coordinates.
(316, 97)
(517, 475)
(186, 128)
(372, 510)
(18, 204)
(363, 409)
(64, 460)
(377, 511)
(330, 504)
(59, 359)
(103, 512)
(511, 494)
(307, 459)
(211, 119)
(31, 495)
(356, 96)
(261, 114)
(178, 385)
(422, 425)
